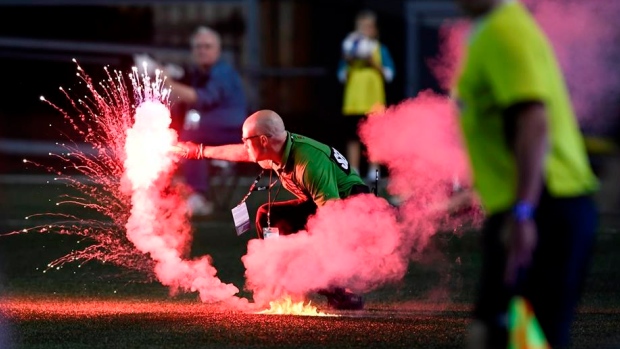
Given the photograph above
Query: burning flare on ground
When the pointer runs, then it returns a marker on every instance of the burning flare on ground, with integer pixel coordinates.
(287, 306)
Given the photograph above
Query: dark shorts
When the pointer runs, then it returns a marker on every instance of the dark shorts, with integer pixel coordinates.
(291, 216)
(349, 127)
(553, 284)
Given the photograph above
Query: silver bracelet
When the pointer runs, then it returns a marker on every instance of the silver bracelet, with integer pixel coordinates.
(200, 155)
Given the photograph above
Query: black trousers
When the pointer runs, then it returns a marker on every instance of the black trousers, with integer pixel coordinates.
(291, 216)
(554, 281)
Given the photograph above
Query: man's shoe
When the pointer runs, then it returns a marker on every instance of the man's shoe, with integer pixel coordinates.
(341, 299)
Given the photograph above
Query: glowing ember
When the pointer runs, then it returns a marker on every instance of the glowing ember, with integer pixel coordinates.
(286, 306)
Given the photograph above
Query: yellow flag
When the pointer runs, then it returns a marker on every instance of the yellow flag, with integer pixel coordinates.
(524, 331)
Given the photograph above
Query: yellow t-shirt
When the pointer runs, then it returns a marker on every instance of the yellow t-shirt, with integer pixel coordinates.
(364, 90)
(509, 60)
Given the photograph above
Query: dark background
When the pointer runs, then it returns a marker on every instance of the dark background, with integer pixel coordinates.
(31, 73)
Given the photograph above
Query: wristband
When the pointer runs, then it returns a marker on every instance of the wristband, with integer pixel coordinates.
(523, 211)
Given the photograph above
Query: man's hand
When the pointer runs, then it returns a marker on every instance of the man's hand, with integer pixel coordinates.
(520, 238)
(189, 150)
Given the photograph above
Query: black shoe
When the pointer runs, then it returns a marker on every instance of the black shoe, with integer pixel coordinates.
(340, 299)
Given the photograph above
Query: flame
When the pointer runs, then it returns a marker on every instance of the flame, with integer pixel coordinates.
(286, 306)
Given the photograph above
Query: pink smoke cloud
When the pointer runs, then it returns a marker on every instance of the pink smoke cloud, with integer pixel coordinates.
(584, 36)
(420, 142)
(353, 242)
(363, 242)
(158, 224)
(445, 65)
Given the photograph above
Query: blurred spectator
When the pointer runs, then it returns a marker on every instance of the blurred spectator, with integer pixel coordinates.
(212, 95)
(531, 173)
(365, 66)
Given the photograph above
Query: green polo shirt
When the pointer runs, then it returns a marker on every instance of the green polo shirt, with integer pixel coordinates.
(311, 170)
(508, 61)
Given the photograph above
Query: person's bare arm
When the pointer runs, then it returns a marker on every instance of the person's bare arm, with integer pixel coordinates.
(530, 146)
(228, 152)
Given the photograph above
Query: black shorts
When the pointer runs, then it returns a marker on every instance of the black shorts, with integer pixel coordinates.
(291, 216)
(360, 189)
(350, 124)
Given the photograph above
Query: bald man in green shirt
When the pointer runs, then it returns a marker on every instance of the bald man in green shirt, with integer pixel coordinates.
(313, 172)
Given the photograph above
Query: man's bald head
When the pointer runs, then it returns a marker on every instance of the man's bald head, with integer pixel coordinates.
(264, 136)
(265, 122)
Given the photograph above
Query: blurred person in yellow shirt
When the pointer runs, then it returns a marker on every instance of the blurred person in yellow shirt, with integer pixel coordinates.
(365, 67)
(531, 173)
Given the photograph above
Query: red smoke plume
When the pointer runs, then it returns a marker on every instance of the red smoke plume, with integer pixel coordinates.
(584, 35)
(353, 243)
(445, 66)
(364, 242)
(158, 223)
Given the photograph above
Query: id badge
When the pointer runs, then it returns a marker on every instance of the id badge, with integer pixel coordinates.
(270, 233)
(242, 218)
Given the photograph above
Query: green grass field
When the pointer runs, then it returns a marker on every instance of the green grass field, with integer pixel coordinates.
(98, 305)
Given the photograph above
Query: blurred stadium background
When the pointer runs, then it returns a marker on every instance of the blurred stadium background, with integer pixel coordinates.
(287, 52)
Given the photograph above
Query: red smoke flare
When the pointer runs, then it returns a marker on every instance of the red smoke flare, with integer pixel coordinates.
(363, 242)
(129, 183)
(155, 226)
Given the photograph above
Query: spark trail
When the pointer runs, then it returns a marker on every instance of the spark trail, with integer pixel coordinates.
(141, 220)
(156, 225)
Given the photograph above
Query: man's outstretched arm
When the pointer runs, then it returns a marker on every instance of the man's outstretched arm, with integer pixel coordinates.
(228, 152)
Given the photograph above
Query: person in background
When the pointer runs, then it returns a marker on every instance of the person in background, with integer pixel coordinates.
(212, 94)
(365, 67)
(531, 173)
